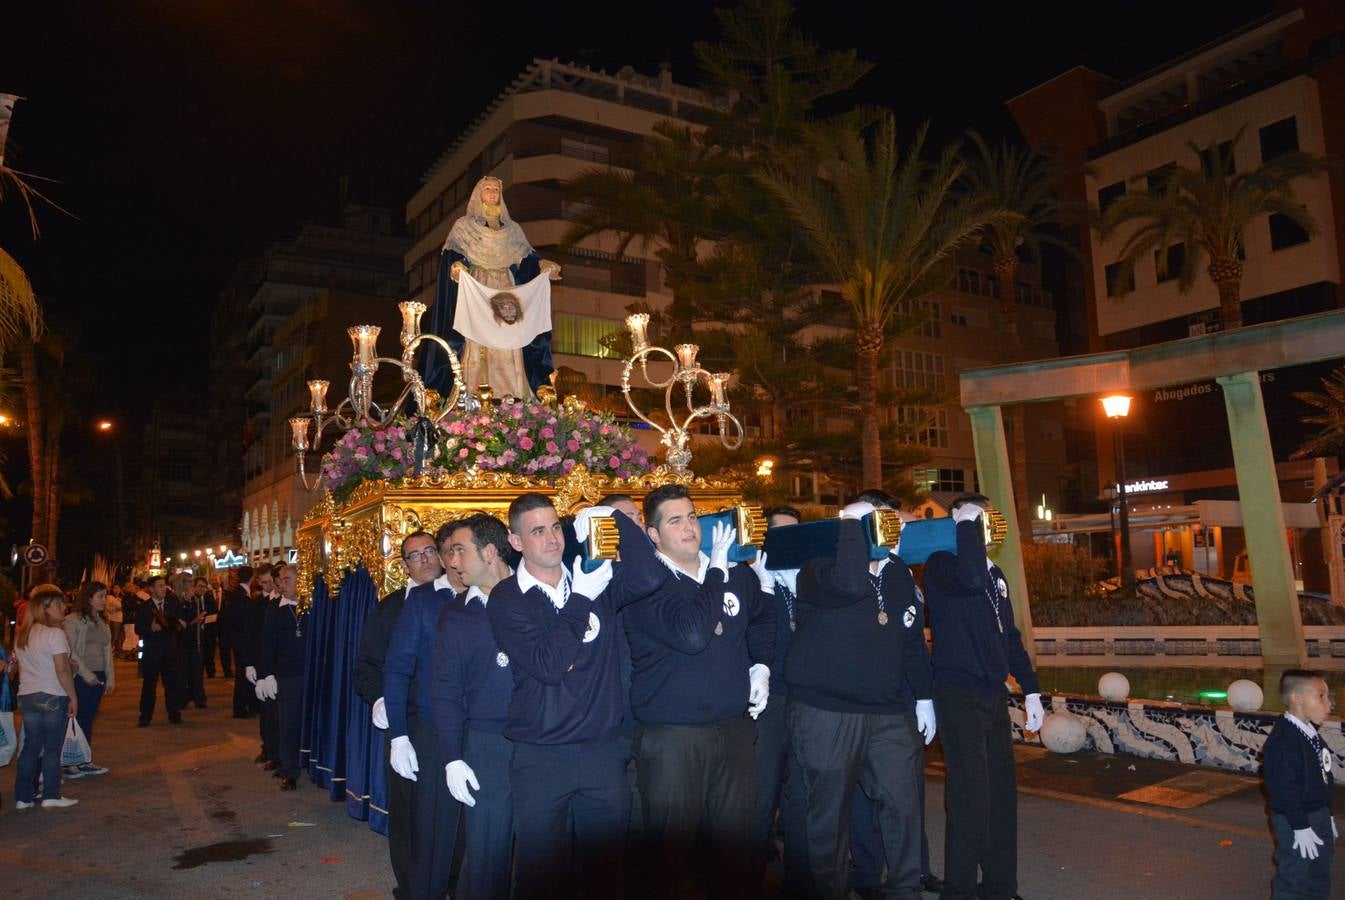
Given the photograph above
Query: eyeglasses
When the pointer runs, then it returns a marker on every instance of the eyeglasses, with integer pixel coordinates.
(420, 555)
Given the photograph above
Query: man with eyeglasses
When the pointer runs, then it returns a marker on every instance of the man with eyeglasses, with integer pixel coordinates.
(423, 565)
(407, 680)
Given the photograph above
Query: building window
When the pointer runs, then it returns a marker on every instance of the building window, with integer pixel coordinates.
(582, 336)
(1175, 259)
(1279, 138)
(1109, 194)
(958, 319)
(1285, 232)
(924, 318)
(914, 370)
(923, 425)
(1111, 273)
(1158, 178)
(1225, 150)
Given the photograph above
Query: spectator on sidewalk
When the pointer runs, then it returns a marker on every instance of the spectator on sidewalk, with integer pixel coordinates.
(47, 697)
(112, 613)
(1299, 781)
(91, 654)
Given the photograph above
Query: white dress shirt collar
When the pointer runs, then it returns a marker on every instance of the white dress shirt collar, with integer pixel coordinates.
(557, 595)
(1308, 730)
(683, 573)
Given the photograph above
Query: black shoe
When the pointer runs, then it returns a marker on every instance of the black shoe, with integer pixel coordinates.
(270, 765)
(143, 723)
(260, 758)
(200, 706)
(931, 884)
(289, 784)
(175, 720)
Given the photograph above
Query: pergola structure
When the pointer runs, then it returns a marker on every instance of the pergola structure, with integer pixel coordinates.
(1235, 360)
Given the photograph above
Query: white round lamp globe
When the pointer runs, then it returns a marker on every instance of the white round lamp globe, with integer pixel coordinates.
(1113, 686)
(1063, 732)
(1245, 695)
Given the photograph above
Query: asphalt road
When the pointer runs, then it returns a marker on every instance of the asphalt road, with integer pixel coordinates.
(184, 813)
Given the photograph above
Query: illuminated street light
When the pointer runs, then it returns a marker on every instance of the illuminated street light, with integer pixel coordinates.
(766, 467)
(1044, 512)
(221, 548)
(104, 425)
(182, 556)
(1117, 408)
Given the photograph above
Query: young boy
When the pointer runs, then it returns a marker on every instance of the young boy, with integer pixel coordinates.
(1298, 778)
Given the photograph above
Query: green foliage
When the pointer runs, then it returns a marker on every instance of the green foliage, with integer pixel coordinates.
(1330, 417)
(1206, 207)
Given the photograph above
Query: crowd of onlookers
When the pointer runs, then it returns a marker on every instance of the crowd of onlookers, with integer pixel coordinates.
(59, 663)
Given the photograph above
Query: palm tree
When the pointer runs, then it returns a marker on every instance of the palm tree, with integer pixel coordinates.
(1025, 182)
(1331, 417)
(1205, 210)
(884, 226)
(20, 328)
(663, 203)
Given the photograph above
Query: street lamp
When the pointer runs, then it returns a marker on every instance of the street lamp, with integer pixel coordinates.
(104, 425)
(1117, 408)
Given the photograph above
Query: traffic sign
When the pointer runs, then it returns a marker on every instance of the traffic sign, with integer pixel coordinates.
(35, 554)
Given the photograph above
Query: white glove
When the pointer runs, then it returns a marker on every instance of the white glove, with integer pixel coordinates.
(266, 688)
(720, 540)
(582, 522)
(857, 510)
(590, 584)
(924, 719)
(764, 576)
(459, 776)
(403, 758)
(380, 715)
(759, 677)
(88, 677)
(967, 512)
(1306, 843)
(1035, 714)
(251, 673)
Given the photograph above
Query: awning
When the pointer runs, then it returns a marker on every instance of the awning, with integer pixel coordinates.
(1229, 513)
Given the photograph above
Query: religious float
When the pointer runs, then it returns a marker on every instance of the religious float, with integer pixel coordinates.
(474, 424)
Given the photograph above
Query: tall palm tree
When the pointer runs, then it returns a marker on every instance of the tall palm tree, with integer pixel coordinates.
(1026, 182)
(20, 328)
(1330, 416)
(1206, 209)
(884, 226)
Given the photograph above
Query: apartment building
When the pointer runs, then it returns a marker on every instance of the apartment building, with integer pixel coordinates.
(302, 295)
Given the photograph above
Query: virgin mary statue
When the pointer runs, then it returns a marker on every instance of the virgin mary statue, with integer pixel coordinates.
(490, 247)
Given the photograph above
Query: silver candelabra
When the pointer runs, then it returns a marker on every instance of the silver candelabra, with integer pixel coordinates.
(687, 373)
(359, 409)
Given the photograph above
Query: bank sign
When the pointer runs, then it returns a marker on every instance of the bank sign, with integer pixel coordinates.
(1197, 389)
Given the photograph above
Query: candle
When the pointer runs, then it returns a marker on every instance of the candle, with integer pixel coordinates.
(299, 432)
(317, 392)
(365, 340)
(638, 323)
(686, 355)
(718, 382)
(412, 310)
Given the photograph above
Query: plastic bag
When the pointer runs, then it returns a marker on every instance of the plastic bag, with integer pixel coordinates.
(76, 749)
(9, 742)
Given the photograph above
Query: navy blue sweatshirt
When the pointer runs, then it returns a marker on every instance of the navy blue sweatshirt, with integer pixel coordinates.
(567, 679)
(1292, 768)
(374, 640)
(972, 648)
(841, 658)
(407, 669)
(692, 643)
(472, 682)
(281, 651)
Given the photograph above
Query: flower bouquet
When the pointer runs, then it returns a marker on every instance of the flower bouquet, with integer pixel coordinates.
(369, 453)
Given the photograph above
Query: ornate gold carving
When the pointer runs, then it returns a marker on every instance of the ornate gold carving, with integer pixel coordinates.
(354, 530)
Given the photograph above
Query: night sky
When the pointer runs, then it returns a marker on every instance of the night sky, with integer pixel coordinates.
(185, 134)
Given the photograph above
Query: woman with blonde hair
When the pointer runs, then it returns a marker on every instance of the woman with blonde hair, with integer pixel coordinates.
(47, 698)
(90, 639)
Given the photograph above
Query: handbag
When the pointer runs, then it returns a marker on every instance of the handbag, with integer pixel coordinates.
(75, 751)
(9, 741)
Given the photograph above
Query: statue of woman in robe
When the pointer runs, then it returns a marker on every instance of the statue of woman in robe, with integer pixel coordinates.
(490, 246)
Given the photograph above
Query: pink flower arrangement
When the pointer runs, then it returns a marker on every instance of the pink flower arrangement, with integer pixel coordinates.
(368, 453)
(540, 441)
(523, 437)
